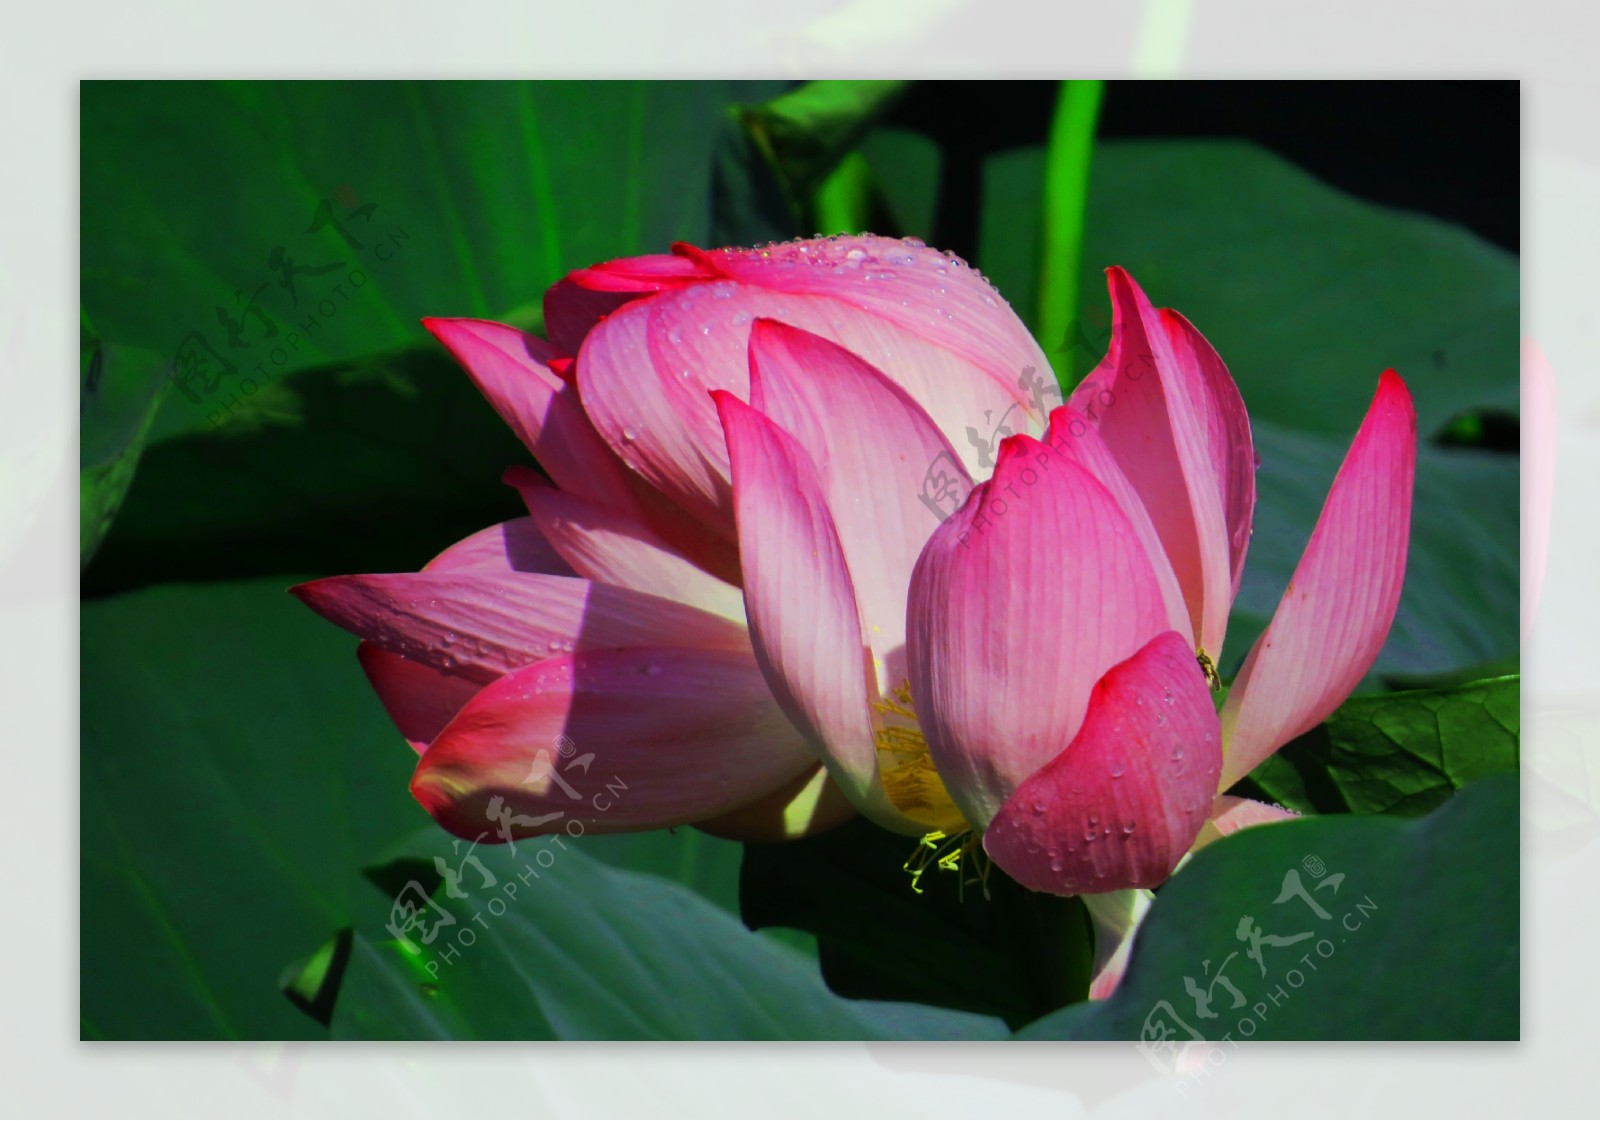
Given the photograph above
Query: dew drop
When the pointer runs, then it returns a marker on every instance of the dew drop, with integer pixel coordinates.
(629, 435)
(1127, 828)
(1116, 770)
(676, 334)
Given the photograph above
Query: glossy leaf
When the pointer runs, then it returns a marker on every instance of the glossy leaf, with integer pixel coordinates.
(1401, 753)
(578, 950)
(1368, 927)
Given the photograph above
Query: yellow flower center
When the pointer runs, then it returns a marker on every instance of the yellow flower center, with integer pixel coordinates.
(914, 787)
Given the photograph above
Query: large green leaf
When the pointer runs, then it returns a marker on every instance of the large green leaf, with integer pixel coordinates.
(579, 950)
(119, 393)
(368, 467)
(1402, 753)
(1460, 602)
(345, 211)
(959, 940)
(1367, 927)
(1307, 293)
(235, 770)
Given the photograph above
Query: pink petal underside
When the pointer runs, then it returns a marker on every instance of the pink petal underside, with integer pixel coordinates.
(420, 700)
(1122, 804)
(1018, 605)
(481, 626)
(1230, 814)
(511, 546)
(801, 603)
(609, 547)
(508, 367)
(1142, 398)
(581, 299)
(872, 446)
(1214, 398)
(925, 293)
(617, 740)
(697, 339)
(1336, 612)
(717, 558)
(1072, 435)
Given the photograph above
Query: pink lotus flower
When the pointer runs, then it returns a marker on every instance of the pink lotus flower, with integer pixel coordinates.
(591, 663)
(1037, 669)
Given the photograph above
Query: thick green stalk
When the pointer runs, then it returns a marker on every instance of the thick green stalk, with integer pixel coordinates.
(1066, 190)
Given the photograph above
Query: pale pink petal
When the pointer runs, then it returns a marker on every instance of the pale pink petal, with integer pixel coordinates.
(1339, 605)
(1020, 602)
(872, 446)
(1122, 804)
(1143, 399)
(509, 368)
(512, 546)
(480, 625)
(573, 305)
(712, 555)
(1116, 916)
(1230, 814)
(924, 293)
(1214, 399)
(801, 604)
(1072, 435)
(609, 547)
(420, 700)
(645, 373)
(610, 741)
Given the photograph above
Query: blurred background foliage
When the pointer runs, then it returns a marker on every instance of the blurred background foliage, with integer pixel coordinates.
(260, 405)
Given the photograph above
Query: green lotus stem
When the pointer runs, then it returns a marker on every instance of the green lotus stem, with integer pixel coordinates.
(1066, 192)
(842, 203)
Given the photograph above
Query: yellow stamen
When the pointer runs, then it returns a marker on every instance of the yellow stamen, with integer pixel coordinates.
(1209, 668)
(909, 777)
(914, 787)
(941, 850)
